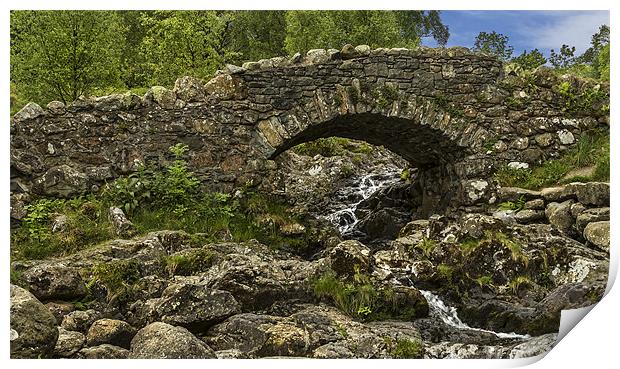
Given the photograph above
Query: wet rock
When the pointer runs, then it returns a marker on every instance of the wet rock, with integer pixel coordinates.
(55, 281)
(598, 234)
(33, 327)
(80, 321)
(383, 223)
(192, 305)
(105, 351)
(348, 256)
(116, 332)
(589, 216)
(534, 346)
(163, 341)
(559, 216)
(189, 89)
(123, 227)
(69, 343)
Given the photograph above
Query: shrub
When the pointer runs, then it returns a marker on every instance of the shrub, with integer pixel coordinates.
(406, 349)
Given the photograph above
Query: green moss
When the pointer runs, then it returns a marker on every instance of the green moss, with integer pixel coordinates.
(117, 276)
(484, 280)
(189, 263)
(386, 95)
(333, 146)
(445, 271)
(405, 349)
(342, 330)
(426, 246)
(518, 283)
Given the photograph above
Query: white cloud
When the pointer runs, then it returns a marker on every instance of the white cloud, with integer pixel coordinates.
(571, 28)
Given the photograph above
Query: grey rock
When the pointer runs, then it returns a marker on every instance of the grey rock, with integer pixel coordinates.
(33, 327)
(598, 234)
(192, 305)
(589, 216)
(363, 49)
(112, 331)
(591, 193)
(30, 111)
(69, 343)
(79, 320)
(233, 69)
(349, 255)
(516, 193)
(164, 341)
(349, 52)
(55, 281)
(559, 216)
(560, 193)
(123, 227)
(528, 216)
(56, 107)
(60, 309)
(537, 204)
(61, 181)
(534, 346)
(189, 89)
(317, 56)
(105, 351)
(162, 96)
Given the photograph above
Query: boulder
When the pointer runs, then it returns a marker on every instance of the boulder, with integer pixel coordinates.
(56, 107)
(349, 52)
(162, 96)
(383, 223)
(123, 227)
(33, 327)
(591, 193)
(105, 351)
(226, 87)
(30, 111)
(79, 320)
(164, 341)
(534, 346)
(189, 89)
(516, 193)
(116, 332)
(559, 193)
(349, 255)
(597, 233)
(55, 281)
(589, 216)
(559, 216)
(69, 343)
(60, 309)
(192, 305)
(528, 216)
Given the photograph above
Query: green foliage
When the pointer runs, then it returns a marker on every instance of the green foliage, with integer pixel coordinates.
(446, 104)
(445, 272)
(405, 175)
(86, 225)
(518, 283)
(333, 146)
(118, 277)
(312, 29)
(484, 280)
(530, 60)
(185, 42)
(592, 149)
(426, 246)
(564, 58)
(257, 34)
(495, 44)
(406, 349)
(513, 205)
(386, 95)
(189, 263)
(583, 101)
(602, 66)
(359, 298)
(62, 54)
(342, 330)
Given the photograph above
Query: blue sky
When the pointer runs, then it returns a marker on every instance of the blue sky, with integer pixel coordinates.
(544, 30)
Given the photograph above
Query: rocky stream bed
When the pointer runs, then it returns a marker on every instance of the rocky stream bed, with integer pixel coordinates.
(472, 285)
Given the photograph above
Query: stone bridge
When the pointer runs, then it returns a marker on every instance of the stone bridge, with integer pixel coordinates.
(454, 114)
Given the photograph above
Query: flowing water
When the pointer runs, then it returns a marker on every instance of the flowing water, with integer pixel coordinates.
(342, 215)
(448, 315)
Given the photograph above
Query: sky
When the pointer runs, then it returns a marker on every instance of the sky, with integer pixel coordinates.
(526, 29)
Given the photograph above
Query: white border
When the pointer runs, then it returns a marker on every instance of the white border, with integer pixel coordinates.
(592, 343)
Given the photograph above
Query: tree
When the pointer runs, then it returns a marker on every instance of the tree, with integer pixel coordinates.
(565, 58)
(598, 42)
(60, 55)
(257, 34)
(307, 30)
(603, 63)
(531, 60)
(493, 43)
(186, 42)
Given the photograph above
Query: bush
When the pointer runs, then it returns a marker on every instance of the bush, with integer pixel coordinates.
(406, 349)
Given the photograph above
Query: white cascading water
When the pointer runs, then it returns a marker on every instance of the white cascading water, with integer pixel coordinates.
(448, 315)
(345, 218)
